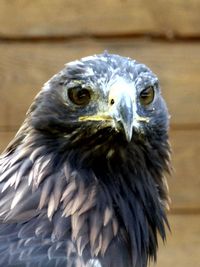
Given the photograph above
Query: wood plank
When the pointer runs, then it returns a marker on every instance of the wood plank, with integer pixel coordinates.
(26, 66)
(185, 181)
(64, 17)
(5, 138)
(183, 244)
(184, 184)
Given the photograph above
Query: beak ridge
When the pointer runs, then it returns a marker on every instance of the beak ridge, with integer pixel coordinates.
(122, 113)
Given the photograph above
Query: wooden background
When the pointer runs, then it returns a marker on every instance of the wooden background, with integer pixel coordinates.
(38, 37)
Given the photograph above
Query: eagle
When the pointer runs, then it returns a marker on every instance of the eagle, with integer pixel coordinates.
(82, 184)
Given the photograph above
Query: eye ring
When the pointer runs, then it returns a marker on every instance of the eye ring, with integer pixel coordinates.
(147, 96)
(79, 96)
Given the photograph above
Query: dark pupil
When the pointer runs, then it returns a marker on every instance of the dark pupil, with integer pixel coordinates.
(79, 96)
(147, 96)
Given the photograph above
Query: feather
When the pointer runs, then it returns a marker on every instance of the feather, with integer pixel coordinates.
(107, 216)
(69, 191)
(51, 207)
(46, 190)
(9, 172)
(20, 194)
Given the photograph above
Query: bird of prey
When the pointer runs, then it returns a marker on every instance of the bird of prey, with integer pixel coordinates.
(82, 183)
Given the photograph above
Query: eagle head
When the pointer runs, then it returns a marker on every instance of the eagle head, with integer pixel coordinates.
(101, 103)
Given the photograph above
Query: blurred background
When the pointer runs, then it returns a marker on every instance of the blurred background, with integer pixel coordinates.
(38, 37)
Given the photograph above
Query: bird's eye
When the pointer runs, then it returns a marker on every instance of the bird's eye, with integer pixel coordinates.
(147, 96)
(79, 96)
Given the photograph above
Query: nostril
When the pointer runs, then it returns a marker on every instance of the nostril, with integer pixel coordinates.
(112, 101)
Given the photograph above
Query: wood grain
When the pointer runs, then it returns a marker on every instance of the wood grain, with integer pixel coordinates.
(26, 18)
(26, 66)
(183, 244)
(5, 138)
(184, 183)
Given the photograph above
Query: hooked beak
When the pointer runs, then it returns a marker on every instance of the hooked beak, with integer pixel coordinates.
(123, 116)
(122, 111)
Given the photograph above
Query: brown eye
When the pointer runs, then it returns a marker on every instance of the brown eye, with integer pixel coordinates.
(147, 96)
(79, 96)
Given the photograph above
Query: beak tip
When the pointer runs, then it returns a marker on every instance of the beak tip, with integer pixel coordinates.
(128, 135)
